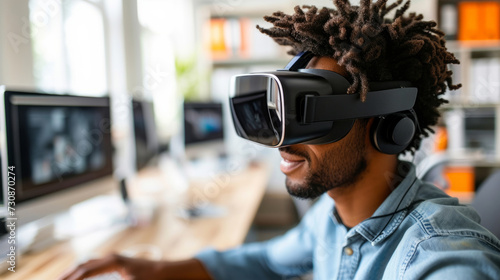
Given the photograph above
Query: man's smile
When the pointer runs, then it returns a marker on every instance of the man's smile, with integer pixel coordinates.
(290, 163)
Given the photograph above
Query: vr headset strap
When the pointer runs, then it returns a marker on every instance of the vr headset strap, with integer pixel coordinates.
(299, 61)
(342, 107)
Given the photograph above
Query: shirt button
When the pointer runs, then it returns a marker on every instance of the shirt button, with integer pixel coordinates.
(348, 251)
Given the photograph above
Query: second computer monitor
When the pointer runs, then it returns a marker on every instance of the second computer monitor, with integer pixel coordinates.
(203, 129)
(146, 137)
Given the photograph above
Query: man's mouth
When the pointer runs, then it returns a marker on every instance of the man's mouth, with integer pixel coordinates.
(290, 163)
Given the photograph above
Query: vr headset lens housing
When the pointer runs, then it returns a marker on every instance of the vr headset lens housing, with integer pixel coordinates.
(257, 100)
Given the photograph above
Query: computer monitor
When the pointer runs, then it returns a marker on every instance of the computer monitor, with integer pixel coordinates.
(203, 129)
(479, 131)
(3, 192)
(60, 148)
(146, 137)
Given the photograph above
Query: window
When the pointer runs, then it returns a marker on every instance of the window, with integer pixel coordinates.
(69, 46)
(166, 35)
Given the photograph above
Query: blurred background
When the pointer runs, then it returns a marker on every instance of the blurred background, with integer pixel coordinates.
(169, 53)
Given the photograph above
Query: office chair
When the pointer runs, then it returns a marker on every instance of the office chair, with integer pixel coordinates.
(430, 169)
(486, 203)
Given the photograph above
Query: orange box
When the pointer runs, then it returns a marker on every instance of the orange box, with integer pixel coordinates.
(441, 140)
(469, 21)
(245, 27)
(217, 39)
(479, 21)
(460, 178)
(490, 13)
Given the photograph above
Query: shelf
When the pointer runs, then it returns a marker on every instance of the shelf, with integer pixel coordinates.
(476, 46)
(476, 162)
(474, 158)
(453, 105)
(238, 62)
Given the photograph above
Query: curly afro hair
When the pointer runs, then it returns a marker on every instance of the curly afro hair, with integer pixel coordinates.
(374, 47)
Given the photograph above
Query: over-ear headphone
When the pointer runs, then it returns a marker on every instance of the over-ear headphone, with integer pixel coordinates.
(391, 134)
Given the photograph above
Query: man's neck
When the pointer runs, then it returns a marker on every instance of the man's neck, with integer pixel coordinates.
(357, 202)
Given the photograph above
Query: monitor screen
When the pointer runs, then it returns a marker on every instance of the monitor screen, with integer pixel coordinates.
(203, 122)
(480, 129)
(56, 142)
(146, 139)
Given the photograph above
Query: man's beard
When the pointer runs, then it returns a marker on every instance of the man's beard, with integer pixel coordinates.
(338, 168)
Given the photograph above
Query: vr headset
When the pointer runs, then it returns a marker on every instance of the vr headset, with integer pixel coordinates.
(311, 106)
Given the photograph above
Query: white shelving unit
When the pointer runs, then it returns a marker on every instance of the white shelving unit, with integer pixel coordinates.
(466, 99)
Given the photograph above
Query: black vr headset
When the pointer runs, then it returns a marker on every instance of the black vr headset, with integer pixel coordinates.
(311, 106)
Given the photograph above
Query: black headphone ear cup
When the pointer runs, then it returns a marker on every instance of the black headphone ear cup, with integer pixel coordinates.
(392, 134)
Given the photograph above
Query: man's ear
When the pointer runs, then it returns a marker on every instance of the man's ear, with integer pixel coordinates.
(368, 124)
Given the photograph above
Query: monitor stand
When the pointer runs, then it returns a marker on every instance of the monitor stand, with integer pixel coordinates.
(207, 210)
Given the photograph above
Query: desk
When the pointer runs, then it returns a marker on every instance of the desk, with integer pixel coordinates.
(176, 237)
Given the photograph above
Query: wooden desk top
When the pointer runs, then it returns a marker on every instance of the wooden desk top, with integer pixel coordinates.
(177, 238)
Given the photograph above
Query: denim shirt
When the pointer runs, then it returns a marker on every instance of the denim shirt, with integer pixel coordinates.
(427, 235)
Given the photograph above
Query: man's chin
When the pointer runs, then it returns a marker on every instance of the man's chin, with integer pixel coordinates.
(303, 190)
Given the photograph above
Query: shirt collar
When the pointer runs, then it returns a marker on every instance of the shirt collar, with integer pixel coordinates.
(376, 230)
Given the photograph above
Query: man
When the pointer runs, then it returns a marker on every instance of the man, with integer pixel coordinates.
(375, 219)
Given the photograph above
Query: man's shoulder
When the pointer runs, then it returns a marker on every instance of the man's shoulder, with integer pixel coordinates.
(441, 219)
(443, 238)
